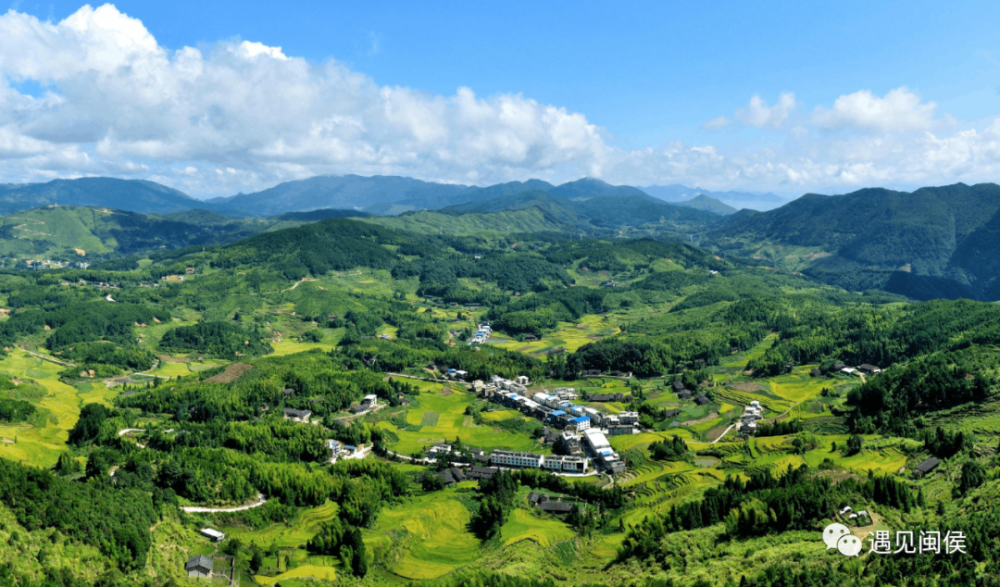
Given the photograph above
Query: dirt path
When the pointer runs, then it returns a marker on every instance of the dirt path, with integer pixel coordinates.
(199, 510)
(724, 433)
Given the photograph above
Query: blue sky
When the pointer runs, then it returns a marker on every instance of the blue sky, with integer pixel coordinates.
(648, 76)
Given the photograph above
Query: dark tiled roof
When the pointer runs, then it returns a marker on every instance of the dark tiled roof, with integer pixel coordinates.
(198, 562)
(556, 507)
(928, 465)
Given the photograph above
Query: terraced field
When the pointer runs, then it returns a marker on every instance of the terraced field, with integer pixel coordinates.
(432, 533)
(568, 335)
(525, 525)
(450, 422)
(41, 444)
(294, 535)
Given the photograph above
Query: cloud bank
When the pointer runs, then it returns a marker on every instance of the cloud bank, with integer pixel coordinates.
(96, 94)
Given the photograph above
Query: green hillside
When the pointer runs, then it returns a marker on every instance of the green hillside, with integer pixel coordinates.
(497, 223)
(938, 237)
(82, 234)
(120, 194)
(703, 202)
(133, 416)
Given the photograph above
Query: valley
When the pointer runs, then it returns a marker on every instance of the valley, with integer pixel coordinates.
(231, 384)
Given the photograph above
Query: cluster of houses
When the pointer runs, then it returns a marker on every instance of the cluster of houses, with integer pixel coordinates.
(601, 455)
(555, 409)
(483, 334)
(683, 393)
(863, 369)
(751, 415)
(861, 515)
(368, 403)
(453, 475)
(339, 450)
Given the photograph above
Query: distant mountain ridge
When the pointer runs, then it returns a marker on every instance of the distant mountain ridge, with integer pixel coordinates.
(703, 202)
(380, 195)
(933, 242)
(134, 195)
(677, 193)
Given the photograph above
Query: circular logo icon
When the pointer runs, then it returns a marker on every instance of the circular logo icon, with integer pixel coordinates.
(833, 533)
(849, 545)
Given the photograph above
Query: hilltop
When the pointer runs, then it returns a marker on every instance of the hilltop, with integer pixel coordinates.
(933, 242)
(121, 194)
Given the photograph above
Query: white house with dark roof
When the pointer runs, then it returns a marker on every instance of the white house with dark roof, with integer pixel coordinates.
(199, 566)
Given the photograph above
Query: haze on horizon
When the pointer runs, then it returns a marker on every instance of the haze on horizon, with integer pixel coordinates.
(215, 100)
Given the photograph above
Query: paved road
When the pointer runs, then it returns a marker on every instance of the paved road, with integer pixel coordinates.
(721, 436)
(49, 359)
(194, 509)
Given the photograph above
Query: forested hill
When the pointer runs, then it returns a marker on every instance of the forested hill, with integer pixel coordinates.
(121, 194)
(703, 202)
(347, 191)
(933, 242)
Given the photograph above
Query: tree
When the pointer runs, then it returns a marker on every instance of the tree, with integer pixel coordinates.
(973, 475)
(854, 444)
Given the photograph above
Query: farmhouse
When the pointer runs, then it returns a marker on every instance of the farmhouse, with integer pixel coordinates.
(199, 566)
(297, 415)
(684, 394)
(671, 413)
(535, 498)
(927, 466)
(678, 386)
(334, 447)
(556, 507)
(869, 369)
(701, 399)
(213, 535)
(479, 473)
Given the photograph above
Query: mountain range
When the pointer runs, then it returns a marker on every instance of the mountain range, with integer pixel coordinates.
(379, 195)
(677, 193)
(929, 243)
(933, 242)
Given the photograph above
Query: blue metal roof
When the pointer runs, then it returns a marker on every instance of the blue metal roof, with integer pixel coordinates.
(350, 447)
(607, 451)
(557, 413)
(580, 419)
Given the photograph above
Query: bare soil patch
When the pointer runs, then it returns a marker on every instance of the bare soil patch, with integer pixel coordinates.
(232, 373)
(747, 387)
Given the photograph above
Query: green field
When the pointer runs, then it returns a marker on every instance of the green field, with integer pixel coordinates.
(442, 418)
(426, 537)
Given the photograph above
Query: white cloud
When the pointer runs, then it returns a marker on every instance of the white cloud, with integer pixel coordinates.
(899, 110)
(757, 113)
(240, 115)
(717, 123)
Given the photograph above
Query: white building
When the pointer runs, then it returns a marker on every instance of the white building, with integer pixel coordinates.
(522, 380)
(334, 447)
(628, 418)
(213, 535)
(566, 464)
(507, 458)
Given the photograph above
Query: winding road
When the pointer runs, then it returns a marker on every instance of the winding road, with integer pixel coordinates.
(203, 510)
